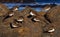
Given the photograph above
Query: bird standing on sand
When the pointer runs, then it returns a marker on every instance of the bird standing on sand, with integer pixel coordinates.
(15, 8)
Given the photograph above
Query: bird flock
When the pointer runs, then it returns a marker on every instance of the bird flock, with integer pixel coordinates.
(28, 22)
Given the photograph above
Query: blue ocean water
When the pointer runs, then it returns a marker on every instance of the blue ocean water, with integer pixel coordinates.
(37, 2)
(48, 1)
(10, 5)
